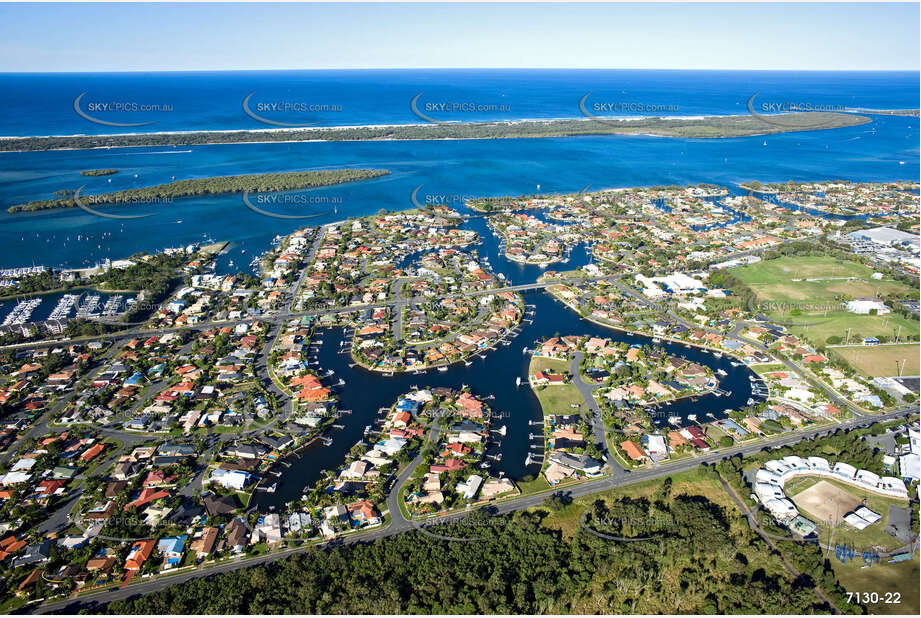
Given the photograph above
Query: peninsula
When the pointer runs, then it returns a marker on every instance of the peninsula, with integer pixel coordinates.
(684, 127)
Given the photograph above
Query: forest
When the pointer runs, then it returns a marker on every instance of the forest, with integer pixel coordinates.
(692, 561)
(708, 127)
(216, 185)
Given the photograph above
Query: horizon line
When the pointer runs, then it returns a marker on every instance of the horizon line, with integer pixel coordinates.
(435, 68)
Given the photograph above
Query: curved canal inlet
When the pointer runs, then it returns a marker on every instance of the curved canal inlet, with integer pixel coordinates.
(365, 393)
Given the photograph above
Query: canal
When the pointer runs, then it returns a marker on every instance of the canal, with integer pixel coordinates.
(364, 392)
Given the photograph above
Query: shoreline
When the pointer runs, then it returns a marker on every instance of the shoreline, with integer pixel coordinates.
(682, 127)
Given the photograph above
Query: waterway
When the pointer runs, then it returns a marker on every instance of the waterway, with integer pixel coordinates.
(364, 392)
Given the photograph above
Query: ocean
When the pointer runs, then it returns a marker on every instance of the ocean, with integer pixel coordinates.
(447, 170)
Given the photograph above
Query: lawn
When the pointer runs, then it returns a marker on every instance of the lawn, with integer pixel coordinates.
(788, 279)
(820, 326)
(556, 399)
(881, 578)
(880, 361)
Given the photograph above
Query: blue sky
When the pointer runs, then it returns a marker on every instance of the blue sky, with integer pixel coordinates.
(132, 37)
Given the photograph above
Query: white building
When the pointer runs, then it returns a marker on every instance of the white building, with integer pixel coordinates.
(232, 479)
(864, 306)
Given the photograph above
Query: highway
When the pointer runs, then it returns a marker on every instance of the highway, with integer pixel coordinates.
(400, 524)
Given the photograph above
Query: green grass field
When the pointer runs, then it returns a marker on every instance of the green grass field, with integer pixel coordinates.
(877, 361)
(881, 578)
(555, 399)
(787, 280)
(836, 323)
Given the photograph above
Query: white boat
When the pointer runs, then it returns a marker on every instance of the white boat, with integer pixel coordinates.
(674, 420)
(467, 363)
(692, 417)
(518, 381)
(442, 369)
(721, 372)
(718, 354)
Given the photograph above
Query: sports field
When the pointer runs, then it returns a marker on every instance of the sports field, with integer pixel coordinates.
(808, 278)
(818, 327)
(825, 502)
(880, 361)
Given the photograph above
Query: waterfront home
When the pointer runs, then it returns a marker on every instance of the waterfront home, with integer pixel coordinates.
(231, 479)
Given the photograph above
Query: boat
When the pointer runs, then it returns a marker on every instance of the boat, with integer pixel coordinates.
(327, 441)
(467, 363)
(528, 460)
(718, 354)
(518, 381)
(442, 368)
(656, 340)
(674, 420)
(271, 488)
(692, 417)
(721, 372)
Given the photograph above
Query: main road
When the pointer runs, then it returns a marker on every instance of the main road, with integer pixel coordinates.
(399, 524)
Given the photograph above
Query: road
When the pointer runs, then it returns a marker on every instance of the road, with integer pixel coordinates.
(586, 391)
(399, 524)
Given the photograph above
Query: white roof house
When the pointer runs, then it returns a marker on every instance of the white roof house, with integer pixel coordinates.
(776, 467)
(845, 471)
(767, 492)
(782, 509)
(894, 485)
(795, 463)
(469, 489)
(867, 477)
(234, 479)
(766, 476)
(818, 463)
